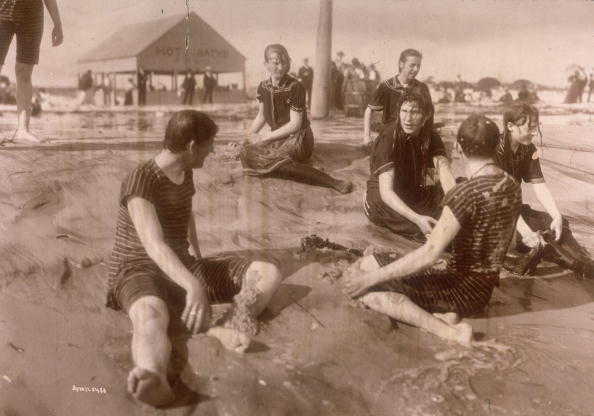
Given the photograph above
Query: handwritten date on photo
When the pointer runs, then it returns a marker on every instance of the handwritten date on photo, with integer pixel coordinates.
(84, 389)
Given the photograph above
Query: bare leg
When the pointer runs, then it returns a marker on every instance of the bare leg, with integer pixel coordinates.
(151, 351)
(24, 94)
(403, 309)
(262, 281)
(309, 175)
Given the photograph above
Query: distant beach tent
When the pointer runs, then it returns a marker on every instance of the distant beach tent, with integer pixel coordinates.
(166, 46)
(488, 83)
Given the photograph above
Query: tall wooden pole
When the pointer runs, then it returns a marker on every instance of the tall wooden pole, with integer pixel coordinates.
(320, 99)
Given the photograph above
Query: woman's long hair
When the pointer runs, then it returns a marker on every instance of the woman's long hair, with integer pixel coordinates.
(517, 114)
(424, 139)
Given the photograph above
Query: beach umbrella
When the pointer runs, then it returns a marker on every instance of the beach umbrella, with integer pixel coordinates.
(574, 67)
(520, 84)
(488, 83)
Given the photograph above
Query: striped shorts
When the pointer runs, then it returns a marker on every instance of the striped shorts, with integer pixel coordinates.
(27, 25)
(222, 277)
(442, 291)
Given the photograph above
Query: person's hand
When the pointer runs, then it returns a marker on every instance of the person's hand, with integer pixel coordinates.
(57, 35)
(355, 284)
(533, 239)
(426, 223)
(196, 314)
(557, 227)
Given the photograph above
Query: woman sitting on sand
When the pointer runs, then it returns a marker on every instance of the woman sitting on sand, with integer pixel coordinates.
(517, 155)
(399, 196)
(282, 153)
(478, 220)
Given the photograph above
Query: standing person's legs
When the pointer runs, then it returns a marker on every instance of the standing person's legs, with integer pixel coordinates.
(151, 351)
(191, 98)
(24, 94)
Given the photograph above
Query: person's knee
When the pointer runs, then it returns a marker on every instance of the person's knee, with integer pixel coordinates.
(265, 278)
(23, 72)
(149, 312)
(369, 263)
(264, 275)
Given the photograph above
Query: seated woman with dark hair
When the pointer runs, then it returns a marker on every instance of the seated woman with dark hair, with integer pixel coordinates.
(399, 196)
(517, 155)
(478, 220)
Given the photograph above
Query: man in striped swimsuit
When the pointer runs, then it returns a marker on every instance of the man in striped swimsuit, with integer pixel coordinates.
(478, 219)
(25, 19)
(151, 270)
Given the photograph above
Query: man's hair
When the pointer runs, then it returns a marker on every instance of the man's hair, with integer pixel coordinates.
(186, 126)
(281, 50)
(409, 52)
(478, 136)
(413, 97)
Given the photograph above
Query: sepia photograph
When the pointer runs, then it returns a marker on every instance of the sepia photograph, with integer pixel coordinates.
(296, 207)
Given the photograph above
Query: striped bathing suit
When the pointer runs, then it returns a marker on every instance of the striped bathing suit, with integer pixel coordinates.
(133, 274)
(487, 208)
(25, 19)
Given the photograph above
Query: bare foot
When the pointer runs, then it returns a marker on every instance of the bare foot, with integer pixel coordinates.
(464, 334)
(344, 187)
(450, 318)
(26, 136)
(149, 387)
(231, 339)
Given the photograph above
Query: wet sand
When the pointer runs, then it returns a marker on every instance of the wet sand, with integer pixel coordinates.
(315, 354)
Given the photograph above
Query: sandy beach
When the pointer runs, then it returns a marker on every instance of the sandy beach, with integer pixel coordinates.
(63, 353)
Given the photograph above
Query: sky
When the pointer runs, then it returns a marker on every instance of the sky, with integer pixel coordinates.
(506, 39)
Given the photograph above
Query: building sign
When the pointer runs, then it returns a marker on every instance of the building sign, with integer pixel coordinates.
(193, 54)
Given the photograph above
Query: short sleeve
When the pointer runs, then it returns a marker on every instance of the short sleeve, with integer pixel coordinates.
(141, 183)
(297, 97)
(428, 100)
(436, 147)
(533, 172)
(260, 93)
(460, 201)
(382, 155)
(380, 96)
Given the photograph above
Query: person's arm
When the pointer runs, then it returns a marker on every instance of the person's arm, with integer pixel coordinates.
(294, 124)
(196, 314)
(529, 237)
(544, 196)
(193, 237)
(390, 198)
(259, 121)
(446, 178)
(444, 232)
(52, 9)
